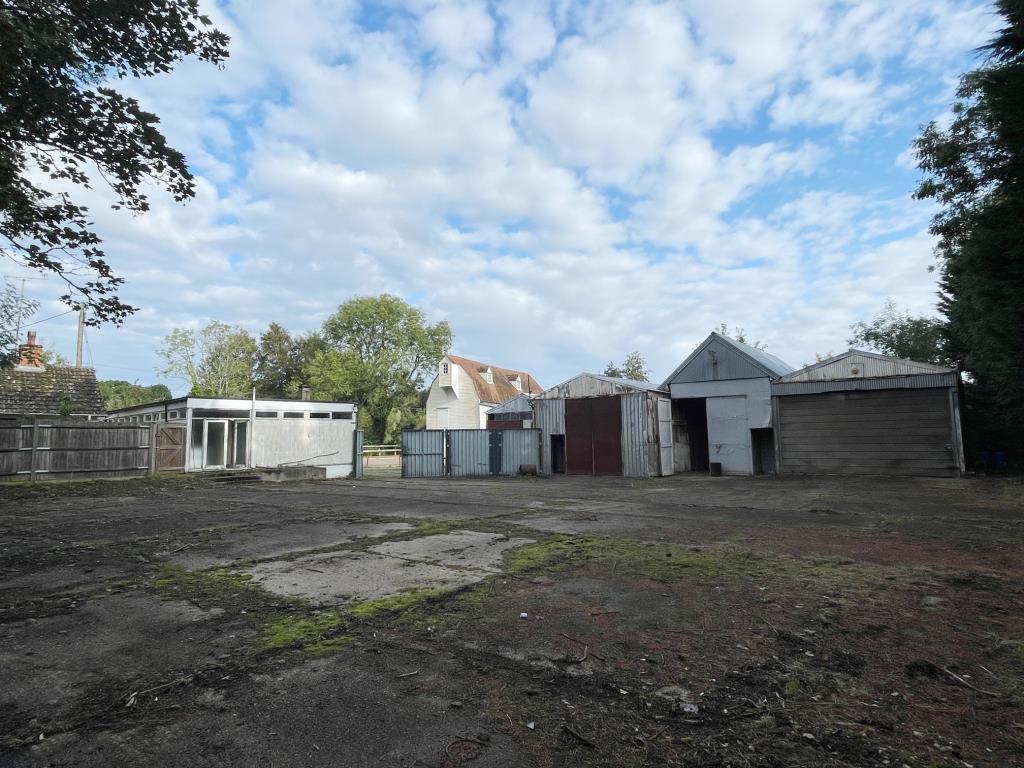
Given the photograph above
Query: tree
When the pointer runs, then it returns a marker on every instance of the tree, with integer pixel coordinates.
(58, 121)
(217, 361)
(634, 367)
(281, 361)
(974, 170)
(123, 394)
(740, 335)
(14, 311)
(903, 335)
(379, 349)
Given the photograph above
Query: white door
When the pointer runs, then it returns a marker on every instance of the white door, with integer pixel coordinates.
(665, 436)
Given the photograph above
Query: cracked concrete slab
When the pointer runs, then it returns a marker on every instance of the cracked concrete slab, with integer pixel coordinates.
(263, 543)
(445, 561)
(460, 549)
(334, 578)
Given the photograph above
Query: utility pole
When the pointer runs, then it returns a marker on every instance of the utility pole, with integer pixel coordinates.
(81, 337)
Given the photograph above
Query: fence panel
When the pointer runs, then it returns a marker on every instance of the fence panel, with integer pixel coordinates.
(48, 448)
(469, 452)
(423, 453)
(518, 447)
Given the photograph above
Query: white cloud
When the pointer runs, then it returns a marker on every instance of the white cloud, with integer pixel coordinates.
(564, 183)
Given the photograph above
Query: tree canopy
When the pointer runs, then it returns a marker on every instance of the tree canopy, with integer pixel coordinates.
(901, 334)
(974, 170)
(378, 350)
(634, 367)
(60, 121)
(217, 360)
(14, 312)
(282, 360)
(123, 394)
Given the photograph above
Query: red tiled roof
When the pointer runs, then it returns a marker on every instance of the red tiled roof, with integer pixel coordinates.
(501, 390)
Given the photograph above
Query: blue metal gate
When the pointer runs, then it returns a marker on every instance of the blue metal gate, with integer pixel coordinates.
(423, 453)
(468, 452)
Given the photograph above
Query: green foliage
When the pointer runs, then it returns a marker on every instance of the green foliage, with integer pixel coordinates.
(974, 169)
(122, 394)
(634, 367)
(14, 311)
(903, 335)
(740, 335)
(378, 351)
(217, 361)
(59, 121)
(282, 359)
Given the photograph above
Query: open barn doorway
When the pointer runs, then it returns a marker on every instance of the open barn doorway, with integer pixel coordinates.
(695, 413)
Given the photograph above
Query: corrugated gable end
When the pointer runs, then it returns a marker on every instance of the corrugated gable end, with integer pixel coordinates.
(50, 391)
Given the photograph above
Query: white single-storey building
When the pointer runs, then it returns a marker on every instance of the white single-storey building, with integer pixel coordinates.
(226, 433)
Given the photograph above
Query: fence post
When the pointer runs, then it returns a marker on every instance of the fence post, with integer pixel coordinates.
(35, 449)
(154, 433)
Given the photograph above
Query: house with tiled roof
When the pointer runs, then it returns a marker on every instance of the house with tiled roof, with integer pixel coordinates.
(464, 390)
(33, 389)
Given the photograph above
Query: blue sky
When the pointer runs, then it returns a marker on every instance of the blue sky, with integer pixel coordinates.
(563, 182)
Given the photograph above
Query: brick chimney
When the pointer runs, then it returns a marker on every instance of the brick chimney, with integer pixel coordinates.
(31, 354)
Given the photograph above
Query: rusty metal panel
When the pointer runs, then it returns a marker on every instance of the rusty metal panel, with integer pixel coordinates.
(593, 436)
(423, 453)
(518, 447)
(469, 452)
(549, 418)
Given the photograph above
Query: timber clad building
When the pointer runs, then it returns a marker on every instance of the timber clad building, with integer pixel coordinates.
(865, 413)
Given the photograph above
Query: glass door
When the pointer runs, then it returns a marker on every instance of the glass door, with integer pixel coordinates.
(241, 433)
(215, 443)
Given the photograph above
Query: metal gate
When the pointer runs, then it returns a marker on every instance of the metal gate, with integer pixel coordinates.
(170, 448)
(423, 453)
(468, 452)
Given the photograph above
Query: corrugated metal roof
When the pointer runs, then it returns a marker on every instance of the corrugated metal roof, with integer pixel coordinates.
(731, 359)
(856, 363)
(917, 381)
(595, 385)
(518, 404)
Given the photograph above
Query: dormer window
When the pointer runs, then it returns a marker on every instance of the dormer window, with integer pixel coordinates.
(444, 369)
(517, 383)
(488, 376)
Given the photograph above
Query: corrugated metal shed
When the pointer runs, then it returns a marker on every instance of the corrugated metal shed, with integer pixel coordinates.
(640, 435)
(720, 358)
(549, 418)
(593, 385)
(857, 364)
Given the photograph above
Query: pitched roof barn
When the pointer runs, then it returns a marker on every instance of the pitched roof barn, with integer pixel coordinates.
(721, 358)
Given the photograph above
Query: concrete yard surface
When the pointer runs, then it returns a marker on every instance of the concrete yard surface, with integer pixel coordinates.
(683, 621)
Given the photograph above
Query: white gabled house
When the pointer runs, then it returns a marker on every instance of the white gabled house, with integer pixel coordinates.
(464, 390)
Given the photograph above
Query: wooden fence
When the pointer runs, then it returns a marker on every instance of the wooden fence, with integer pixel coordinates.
(49, 448)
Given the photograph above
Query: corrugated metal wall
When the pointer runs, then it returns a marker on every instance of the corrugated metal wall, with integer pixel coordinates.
(634, 435)
(731, 364)
(469, 452)
(518, 447)
(423, 453)
(866, 366)
(357, 454)
(549, 418)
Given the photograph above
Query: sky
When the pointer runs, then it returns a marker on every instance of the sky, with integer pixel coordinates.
(562, 182)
